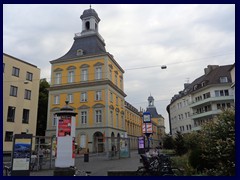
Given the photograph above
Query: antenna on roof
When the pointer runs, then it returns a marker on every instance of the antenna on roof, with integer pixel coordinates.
(90, 6)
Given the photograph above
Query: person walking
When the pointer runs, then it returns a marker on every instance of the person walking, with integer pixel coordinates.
(40, 156)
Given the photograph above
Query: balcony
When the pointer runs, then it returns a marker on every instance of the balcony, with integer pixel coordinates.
(211, 99)
(205, 114)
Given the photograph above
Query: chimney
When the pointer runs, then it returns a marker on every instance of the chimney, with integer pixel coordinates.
(210, 68)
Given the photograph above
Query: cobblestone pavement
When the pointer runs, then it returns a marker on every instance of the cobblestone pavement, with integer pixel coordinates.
(99, 165)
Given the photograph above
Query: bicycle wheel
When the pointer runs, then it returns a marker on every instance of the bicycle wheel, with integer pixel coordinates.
(142, 172)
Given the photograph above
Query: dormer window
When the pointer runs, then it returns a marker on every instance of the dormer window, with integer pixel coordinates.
(223, 79)
(79, 52)
(203, 83)
(195, 87)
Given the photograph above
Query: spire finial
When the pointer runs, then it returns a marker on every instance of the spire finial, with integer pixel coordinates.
(90, 6)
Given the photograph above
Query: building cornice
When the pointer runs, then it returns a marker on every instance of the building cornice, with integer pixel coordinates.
(87, 84)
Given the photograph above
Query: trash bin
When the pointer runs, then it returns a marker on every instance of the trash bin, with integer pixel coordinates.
(86, 157)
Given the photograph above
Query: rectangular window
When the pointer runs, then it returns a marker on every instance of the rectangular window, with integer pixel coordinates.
(25, 118)
(98, 95)
(116, 119)
(70, 98)
(58, 78)
(111, 117)
(84, 75)
(121, 84)
(116, 80)
(206, 95)
(116, 100)
(56, 99)
(122, 121)
(70, 76)
(29, 76)
(84, 117)
(98, 116)
(15, 71)
(111, 96)
(223, 79)
(217, 93)
(98, 72)
(226, 93)
(84, 97)
(27, 94)
(11, 114)
(13, 91)
(8, 136)
(110, 74)
(54, 122)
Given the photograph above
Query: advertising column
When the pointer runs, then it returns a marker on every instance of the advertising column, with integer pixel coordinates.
(65, 133)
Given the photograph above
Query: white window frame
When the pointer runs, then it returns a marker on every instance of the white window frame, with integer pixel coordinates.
(58, 78)
(84, 97)
(98, 115)
(70, 98)
(56, 99)
(98, 95)
(223, 79)
(71, 76)
(83, 117)
(54, 119)
(84, 73)
(98, 72)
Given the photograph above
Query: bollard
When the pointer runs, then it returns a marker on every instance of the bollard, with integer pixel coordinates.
(86, 157)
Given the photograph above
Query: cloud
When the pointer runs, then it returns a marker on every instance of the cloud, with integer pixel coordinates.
(185, 37)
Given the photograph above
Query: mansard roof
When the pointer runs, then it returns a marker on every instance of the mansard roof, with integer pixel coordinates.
(89, 44)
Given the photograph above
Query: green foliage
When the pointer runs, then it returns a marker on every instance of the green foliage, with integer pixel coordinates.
(218, 145)
(180, 146)
(42, 107)
(168, 142)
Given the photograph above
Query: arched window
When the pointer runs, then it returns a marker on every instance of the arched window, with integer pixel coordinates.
(87, 25)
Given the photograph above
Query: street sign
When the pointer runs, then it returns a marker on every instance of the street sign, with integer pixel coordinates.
(146, 117)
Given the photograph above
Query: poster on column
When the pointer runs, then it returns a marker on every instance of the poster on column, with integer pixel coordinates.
(64, 126)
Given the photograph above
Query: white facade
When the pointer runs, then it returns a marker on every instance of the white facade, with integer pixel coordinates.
(180, 113)
(210, 101)
(203, 99)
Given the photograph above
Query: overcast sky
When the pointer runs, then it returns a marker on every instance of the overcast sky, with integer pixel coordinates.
(185, 38)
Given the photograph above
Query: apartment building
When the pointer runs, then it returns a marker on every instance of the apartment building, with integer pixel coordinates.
(20, 99)
(204, 98)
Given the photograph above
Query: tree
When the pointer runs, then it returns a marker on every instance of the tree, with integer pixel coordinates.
(42, 108)
(218, 144)
(168, 142)
(180, 146)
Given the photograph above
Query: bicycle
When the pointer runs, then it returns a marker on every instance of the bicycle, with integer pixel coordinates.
(157, 166)
(79, 172)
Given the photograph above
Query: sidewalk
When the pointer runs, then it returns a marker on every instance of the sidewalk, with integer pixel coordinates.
(99, 165)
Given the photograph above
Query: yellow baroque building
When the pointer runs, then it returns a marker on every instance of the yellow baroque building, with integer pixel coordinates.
(91, 80)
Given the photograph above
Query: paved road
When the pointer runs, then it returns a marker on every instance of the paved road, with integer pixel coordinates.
(99, 165)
